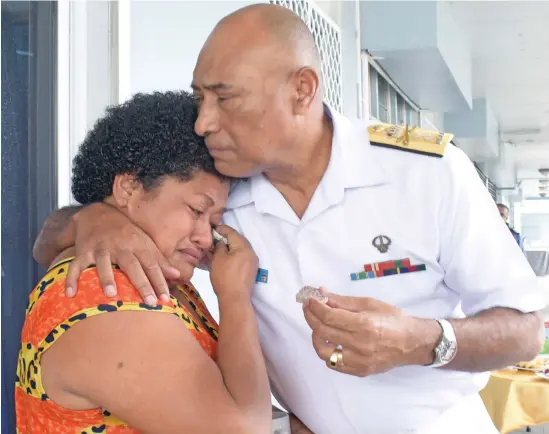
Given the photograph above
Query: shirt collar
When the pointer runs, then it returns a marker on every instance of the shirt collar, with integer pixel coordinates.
(352, 164)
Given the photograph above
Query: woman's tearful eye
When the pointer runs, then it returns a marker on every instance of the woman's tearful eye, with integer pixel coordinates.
(196, 212)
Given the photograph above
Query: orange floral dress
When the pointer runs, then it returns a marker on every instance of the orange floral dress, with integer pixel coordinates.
(50, 313)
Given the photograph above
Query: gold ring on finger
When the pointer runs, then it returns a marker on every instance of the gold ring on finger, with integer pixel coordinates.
(333, 361)
(339, 363)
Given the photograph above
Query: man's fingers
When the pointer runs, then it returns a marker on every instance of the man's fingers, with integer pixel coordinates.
(333, 317)
(351, 304)
(73, 274)
(130, 265)
(168, 271)
(326, 333)
(153, 268)
(358, 304)
(105, 272)
(324, 351)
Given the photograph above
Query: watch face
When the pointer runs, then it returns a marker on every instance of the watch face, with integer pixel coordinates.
(447, 349)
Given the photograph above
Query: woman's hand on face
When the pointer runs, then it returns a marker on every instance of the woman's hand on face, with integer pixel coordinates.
(233, 270)
(105, 236)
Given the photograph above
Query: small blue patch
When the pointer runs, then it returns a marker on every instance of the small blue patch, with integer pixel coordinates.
(262, 276)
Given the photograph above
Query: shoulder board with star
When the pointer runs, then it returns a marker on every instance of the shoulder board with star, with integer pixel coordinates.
(409, 139)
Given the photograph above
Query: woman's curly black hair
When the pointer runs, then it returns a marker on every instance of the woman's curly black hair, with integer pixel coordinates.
(149, 136)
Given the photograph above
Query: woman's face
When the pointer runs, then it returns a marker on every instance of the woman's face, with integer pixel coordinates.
(178, 216)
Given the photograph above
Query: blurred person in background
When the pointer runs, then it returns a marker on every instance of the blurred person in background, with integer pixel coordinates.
(504, 213)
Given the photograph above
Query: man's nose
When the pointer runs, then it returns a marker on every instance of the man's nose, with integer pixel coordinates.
(207, 121)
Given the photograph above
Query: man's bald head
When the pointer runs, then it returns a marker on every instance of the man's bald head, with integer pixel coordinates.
(259, 87)
(268, 23)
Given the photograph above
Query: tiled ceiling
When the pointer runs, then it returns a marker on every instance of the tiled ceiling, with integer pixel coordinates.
(510, 45)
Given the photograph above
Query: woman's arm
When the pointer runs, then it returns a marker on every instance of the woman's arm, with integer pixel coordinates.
(149, 371)
(232, 273)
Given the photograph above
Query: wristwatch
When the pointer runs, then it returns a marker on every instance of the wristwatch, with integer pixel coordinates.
(446, 349)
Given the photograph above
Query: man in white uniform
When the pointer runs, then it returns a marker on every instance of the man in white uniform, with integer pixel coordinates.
(393, 222)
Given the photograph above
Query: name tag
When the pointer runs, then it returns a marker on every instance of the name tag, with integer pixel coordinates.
(262, 276)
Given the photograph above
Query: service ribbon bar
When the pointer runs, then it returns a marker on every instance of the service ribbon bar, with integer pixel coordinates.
(387, 268)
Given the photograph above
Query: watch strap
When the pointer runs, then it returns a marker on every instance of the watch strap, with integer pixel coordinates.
(446, 349)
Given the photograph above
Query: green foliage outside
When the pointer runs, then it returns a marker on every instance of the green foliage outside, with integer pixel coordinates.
(545, 349)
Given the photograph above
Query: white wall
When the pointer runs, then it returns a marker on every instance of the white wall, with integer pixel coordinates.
(531, 219)
(535, 227)
(166, 37)
(331, 8)
(86, 79)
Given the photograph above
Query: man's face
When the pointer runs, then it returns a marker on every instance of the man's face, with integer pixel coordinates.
(245, 111)
(504, 213)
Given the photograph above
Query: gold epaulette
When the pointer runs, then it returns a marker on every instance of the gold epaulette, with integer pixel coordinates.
(410, 139)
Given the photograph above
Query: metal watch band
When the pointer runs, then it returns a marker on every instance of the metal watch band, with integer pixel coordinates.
(446, 349)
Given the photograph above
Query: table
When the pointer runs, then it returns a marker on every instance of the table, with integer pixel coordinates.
(516, 399)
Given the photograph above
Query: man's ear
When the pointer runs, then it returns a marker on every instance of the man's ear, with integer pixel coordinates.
(307, 84)
(124, 188)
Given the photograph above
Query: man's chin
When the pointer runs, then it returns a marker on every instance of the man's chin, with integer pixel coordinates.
(234, 170)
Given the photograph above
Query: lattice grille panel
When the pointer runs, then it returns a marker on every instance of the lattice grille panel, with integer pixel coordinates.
(328, 40)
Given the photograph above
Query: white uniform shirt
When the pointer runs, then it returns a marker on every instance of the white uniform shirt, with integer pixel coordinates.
(437, 212)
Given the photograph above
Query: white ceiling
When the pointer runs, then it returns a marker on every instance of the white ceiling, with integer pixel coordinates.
(510, 45)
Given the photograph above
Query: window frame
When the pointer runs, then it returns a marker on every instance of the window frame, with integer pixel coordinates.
(377, 80)
(41, 194)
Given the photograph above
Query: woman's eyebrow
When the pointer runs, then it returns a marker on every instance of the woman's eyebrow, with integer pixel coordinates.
(211, 201)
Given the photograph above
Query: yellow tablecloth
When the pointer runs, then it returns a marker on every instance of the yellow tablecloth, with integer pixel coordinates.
(516, 399)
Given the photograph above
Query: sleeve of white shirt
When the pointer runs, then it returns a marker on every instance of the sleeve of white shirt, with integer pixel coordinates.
(480, 257)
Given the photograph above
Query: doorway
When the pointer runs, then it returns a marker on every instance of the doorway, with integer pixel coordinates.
(29, 180)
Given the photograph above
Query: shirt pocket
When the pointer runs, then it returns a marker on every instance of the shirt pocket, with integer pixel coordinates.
(399, 282)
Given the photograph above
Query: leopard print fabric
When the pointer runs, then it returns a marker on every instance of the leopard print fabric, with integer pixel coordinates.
(50, 313)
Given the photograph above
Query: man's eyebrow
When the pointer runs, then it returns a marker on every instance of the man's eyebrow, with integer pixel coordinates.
(213, 87)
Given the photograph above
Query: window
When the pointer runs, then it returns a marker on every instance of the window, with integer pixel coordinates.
(383, 102)
(400, 108)
(387, 102)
